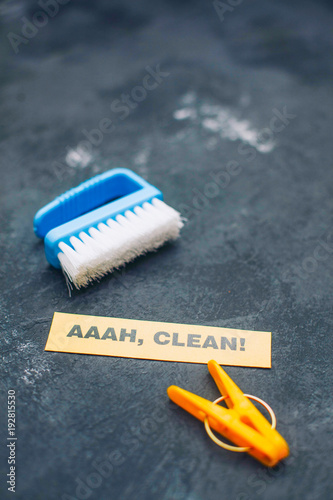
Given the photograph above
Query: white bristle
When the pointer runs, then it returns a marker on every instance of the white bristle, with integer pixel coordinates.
(117, 242)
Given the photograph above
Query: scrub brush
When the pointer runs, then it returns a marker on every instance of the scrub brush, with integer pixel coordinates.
(104, 223)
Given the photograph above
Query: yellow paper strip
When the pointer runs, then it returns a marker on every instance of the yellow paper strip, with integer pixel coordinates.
(131, 338)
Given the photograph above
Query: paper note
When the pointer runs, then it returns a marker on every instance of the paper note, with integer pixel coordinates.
(131, 338)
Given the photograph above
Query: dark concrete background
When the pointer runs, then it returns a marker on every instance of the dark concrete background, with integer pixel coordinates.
(248, 257)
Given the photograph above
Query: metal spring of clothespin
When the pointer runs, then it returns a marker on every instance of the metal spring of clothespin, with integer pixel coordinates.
(242, 423)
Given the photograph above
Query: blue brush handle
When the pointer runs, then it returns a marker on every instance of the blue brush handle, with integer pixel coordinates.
(76, 210)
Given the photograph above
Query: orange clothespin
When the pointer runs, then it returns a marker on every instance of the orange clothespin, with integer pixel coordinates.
(242, 423)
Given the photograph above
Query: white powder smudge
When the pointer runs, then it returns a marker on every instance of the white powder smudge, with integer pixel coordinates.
(78, 158)
(188, 98)
(184, 113)
(31, 375)
(24, 346)
(142, 157)
(224, 122)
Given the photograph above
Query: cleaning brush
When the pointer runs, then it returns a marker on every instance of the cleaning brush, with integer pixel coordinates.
(104, 223)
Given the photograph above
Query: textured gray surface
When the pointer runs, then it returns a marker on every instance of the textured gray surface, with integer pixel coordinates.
(248, 257)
